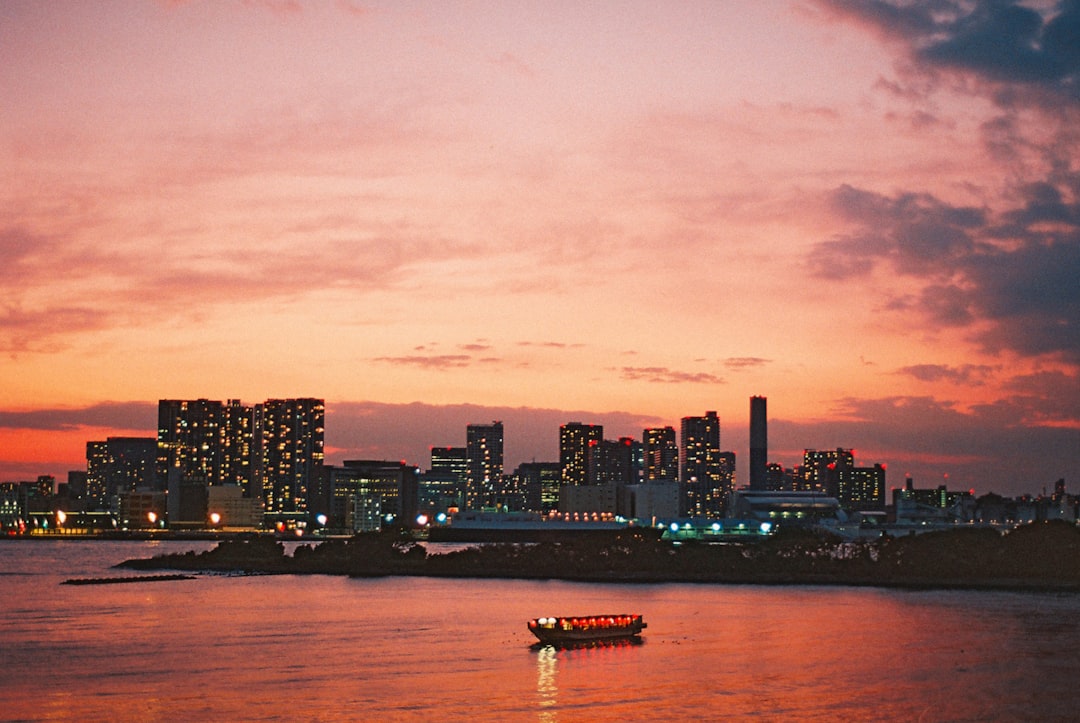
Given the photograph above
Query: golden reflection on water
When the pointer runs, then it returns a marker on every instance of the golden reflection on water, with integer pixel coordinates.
(547, 689)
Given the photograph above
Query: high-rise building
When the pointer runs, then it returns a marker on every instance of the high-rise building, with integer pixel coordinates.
(189, 440)
(661, 454)
(117, 466)
(238, 442)
(699, 461)
(614, 461)
(576, 457)
(484, 457)
(821, 470)
(292, 451)
(759, 443)
(539, 482)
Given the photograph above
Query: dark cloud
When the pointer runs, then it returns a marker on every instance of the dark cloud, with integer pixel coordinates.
(965, 374)
(106, 415)
(1014, 274)
(438, 361)
(745, 362)
(663, 375)
(1002, 42)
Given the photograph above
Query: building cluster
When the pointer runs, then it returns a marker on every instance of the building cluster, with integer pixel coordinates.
(228, 464)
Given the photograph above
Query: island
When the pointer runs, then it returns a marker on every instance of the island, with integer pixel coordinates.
(1036, 556)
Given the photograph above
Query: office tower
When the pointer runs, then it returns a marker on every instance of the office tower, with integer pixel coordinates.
(484, 457)
(539, 481)
(576, 458)
(450, 460)
(292, 451)
(189, 442)
(661, 454)
(699, 460)
(442, 487)
(862, 488)
(386, 492)
(759, 443)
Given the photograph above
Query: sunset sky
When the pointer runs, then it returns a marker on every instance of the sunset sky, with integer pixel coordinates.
(431, 214)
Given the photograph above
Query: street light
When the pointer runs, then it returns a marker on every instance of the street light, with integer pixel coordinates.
(215, 518)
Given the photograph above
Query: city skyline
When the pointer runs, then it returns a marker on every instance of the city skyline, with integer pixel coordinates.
(433, 216)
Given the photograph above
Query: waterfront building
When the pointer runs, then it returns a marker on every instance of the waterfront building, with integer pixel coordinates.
(936, 506)
(821, 470)
(142, 509)
(391, 489)
(614, 461)
(292, 452)
(789, 509)
(540, 483)
(117, 466)
(759, 443)
(699, 465)
(589, 499)
(97, 463)
(240, 465)
(661, 453)
(651, 502)
(484, 463)
(189, 440)
(862, 488)
(576, 458)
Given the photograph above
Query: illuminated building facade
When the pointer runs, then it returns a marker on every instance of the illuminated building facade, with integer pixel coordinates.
(576, 458)
(821, 470)
(540, 483)
(699, 463)
(292, 451)
(189, 440)
(862, 488)
(484, 458)
(240, 465)
(661, 454)
(119, 465)
(390, 487)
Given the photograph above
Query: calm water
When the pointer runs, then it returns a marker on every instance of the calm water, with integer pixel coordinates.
(332, 648)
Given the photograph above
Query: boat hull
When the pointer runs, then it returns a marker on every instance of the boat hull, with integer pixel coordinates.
(575, 630)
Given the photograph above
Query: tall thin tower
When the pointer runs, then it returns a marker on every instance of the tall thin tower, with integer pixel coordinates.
(759, 443)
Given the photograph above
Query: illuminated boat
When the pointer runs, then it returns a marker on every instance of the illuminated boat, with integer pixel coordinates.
(573, 630)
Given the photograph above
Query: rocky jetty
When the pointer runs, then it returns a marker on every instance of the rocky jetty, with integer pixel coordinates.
(1044, 555)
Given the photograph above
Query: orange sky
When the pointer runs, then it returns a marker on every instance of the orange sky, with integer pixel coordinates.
(621, 213)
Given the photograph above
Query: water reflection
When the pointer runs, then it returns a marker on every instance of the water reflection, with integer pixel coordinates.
(547, 690)
(587, 660)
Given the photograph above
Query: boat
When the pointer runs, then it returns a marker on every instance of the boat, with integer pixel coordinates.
(572, 630)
